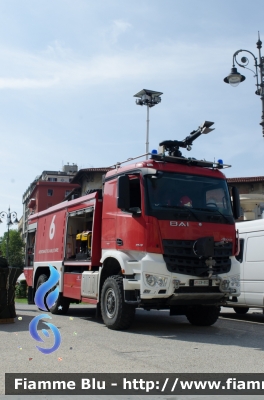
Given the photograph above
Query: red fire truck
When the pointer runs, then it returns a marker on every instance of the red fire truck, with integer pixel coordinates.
(160, 235)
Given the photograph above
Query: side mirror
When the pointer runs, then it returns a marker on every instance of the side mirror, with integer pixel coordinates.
(236, 202)
(123, 192)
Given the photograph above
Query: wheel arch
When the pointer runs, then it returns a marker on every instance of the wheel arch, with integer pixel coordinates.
(119, 256)
(113, 263)
(111, 266)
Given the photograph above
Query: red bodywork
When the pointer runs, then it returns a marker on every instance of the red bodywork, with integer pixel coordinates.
(141, 233)
(50, 244)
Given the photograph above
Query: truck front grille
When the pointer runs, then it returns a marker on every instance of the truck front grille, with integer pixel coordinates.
(180, 258)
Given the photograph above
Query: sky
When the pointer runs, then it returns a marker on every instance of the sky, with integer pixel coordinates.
(69, 70)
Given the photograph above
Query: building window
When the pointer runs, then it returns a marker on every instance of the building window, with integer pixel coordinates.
(52, 179)
(67, 192)
(50, 192)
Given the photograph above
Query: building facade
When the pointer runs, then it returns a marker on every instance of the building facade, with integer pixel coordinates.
(48, 193)
(89, 179)
(57, 182)
(251, 191)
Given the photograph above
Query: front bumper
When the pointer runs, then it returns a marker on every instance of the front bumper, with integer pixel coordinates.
(177, 286)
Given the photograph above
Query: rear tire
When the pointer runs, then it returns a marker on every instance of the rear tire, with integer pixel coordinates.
(41, 279)
(203, 316)
(116, 314)
(61, 305)
(241, 310)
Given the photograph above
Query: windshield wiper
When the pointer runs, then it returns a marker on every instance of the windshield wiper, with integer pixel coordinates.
(223, 215)
(190, 210)
(212, 210)
(185, 210)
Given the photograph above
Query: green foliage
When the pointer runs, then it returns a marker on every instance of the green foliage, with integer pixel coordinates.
(20, 300)
(15, 248)
(21, 289)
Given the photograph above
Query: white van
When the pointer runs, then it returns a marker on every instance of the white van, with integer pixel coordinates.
(251, 257)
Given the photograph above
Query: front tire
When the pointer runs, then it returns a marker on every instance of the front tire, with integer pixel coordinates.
(241, 310)
(203, 316)
(116, 314)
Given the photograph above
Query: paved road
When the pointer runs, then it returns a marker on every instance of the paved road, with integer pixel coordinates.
(155, 343)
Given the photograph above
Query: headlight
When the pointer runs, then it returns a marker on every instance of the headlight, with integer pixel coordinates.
(150, 280)
(231, 283)
(225, 284)
(235, 281)
(156, 280)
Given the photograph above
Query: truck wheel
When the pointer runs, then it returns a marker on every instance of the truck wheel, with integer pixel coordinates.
(203, 316)
(61, 306)
(241, 310)
(41, 279)
(116, 314)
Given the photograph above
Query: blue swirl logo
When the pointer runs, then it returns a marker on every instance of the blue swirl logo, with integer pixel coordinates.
(34, 333)
(50, 300)
(46, 287)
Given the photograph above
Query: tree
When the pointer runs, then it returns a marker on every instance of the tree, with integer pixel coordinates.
(15, 248)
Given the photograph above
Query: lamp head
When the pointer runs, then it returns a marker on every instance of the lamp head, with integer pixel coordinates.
(234, 78)
(148, 97)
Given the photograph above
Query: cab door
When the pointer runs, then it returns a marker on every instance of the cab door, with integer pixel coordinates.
(130, 222)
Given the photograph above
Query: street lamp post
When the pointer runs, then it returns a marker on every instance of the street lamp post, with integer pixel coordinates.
(11, 218)
(148, 98)
(234, 78)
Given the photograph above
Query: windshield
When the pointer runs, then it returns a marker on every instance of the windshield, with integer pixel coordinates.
(193, 193)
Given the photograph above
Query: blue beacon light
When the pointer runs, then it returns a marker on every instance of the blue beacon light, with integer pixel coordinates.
(154, 151)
